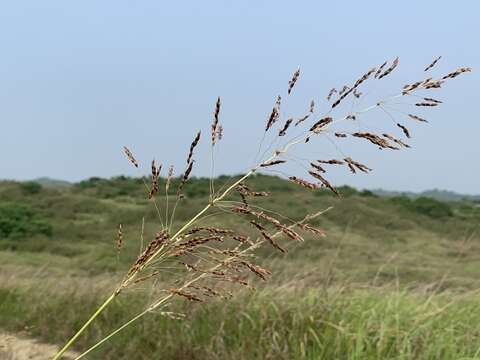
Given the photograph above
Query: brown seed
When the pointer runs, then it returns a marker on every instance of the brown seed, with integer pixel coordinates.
(317, 167)
(275, 114)
(340, 135)
(380, 69)
(331, 162)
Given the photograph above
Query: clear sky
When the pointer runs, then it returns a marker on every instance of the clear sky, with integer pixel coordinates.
(80, 79)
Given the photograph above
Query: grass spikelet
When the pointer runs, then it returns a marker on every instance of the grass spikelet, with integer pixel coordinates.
(120, 237)
(417, 118)
(457, 72)
(155, 174)
(267, 236)
(405, 130)
(352, 164)
(216, 121)
(332, 92)
(325, 182)
(275, 114)
(193, 145)
(395, 140)
(331, 162)
(374, 139)
(379, 71)
(432, 64)
(283, 131)
(304, 183)
(390, 69)
(160, 238)
(294, 79)
(272, 163)
(320, 124)
(318, 167)
(169, 178)
(130, 156)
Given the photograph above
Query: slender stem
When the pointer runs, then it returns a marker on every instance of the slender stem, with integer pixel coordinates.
(112, 334)
(82, 329)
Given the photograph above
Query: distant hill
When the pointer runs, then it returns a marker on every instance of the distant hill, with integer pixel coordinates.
(441, 195)
(49, 182)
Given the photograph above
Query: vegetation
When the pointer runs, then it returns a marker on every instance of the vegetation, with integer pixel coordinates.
(389, 279)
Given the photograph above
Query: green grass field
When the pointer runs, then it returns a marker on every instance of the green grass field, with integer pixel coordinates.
(394, 278)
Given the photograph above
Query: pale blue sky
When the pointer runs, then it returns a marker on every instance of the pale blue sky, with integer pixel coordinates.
(80, 79)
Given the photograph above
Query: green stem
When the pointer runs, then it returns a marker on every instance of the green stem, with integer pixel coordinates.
(82, 329)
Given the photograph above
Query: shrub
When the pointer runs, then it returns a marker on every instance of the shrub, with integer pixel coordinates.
(18, 221)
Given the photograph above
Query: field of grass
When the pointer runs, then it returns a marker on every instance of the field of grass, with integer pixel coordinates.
(394, 278)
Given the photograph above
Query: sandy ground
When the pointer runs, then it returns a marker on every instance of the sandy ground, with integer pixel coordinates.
(13, 347)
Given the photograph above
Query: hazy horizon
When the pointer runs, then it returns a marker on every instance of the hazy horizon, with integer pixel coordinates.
(81, 80)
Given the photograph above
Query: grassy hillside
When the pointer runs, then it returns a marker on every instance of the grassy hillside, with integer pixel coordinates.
(391, 277)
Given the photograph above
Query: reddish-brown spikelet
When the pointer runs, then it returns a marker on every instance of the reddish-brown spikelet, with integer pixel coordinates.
(119, 237)
(188, 295)
(302, 119)
(347, 90)
(374, 139)
(457, 72)
(418, 118)
(331, 93)
(272, 163)
(312, 106)
(160, 238)
(155, 175)
(432, 100)
(215, 121)
(331, 162)
(340, 135)
(304, 183)
(257, 270)
(185, 177)
(146, 277)
(379, 71)
(405, 130)
(312, 229)
(320, 124)
(426, 104)
(275, 114)
(294, 79)
(192, 146)
(212, 230)
(432, 64)
(344, 89)
(318, 167)
(266, 236)
(283, 132)
(191, 244)
(130, 156)
(324, 182)
(169, 178)
(395, 140)
(390, 69)
(352, 164)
